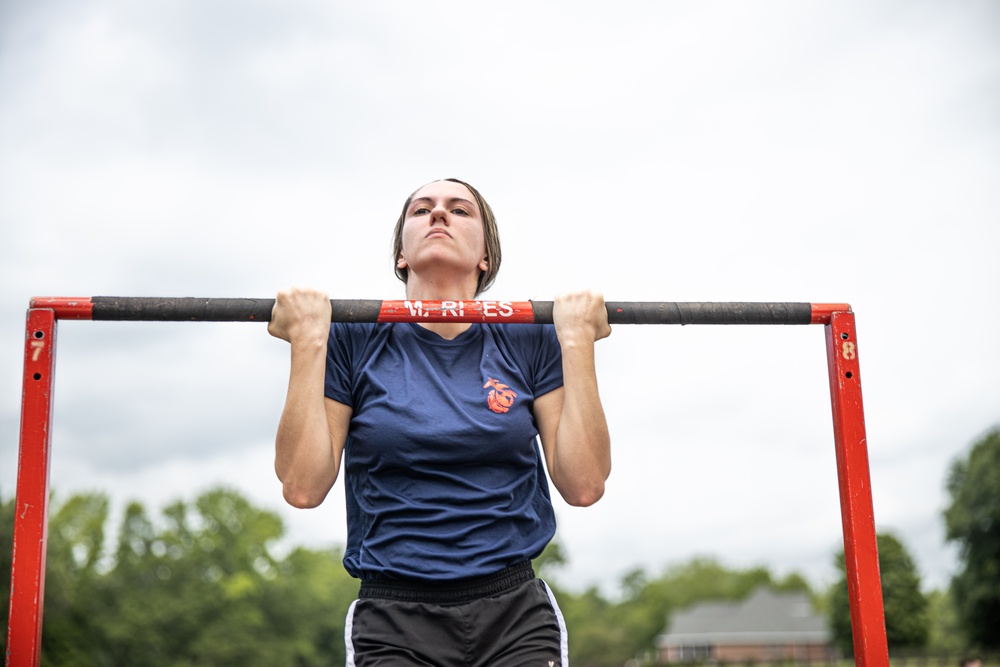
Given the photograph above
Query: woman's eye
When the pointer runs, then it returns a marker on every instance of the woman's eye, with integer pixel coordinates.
(421, 210)
(460, 211)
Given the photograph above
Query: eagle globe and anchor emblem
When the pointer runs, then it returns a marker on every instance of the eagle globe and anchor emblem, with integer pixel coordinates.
(501, 396)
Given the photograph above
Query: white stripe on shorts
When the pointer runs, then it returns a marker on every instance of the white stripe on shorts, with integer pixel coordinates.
(348, 630)
(563, 635)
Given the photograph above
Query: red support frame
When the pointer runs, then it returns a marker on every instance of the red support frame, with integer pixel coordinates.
(27, 571)
(864, 583)
(27, 591)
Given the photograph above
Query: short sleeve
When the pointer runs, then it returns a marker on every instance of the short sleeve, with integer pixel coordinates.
(339, 385)
(546, 366)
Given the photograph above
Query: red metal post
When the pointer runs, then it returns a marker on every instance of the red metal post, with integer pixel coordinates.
(860, 549)
(27, 577)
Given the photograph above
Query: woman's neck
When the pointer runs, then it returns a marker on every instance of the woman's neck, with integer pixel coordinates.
(417, 289)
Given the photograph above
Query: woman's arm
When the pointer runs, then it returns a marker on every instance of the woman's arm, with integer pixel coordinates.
(571, 419)
(313, 429)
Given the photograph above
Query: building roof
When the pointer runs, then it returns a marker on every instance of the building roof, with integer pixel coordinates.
(766, 617)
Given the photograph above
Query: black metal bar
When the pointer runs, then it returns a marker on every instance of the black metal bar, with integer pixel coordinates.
(693, 312)
(159, 309)
(368, 310)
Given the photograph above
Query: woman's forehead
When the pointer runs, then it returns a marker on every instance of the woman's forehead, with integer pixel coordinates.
(447, 189)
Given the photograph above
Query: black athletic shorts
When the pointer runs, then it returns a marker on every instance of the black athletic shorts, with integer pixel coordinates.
(510, 619)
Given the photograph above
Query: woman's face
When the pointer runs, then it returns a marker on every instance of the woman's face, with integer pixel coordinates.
(443, 227)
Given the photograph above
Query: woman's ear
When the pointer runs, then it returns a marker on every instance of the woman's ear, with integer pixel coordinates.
(401, 262)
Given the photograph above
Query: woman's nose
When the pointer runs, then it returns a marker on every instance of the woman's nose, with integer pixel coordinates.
(439, 214)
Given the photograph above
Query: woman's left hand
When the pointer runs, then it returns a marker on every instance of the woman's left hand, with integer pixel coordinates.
(580, 314)
(571, 418)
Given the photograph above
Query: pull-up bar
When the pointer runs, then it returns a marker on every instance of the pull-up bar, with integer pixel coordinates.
(189, 309)
(24, 629)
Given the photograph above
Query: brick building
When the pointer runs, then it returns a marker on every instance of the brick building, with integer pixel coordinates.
(766, 627)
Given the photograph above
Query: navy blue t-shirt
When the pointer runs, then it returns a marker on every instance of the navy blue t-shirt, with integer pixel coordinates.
(444, 476)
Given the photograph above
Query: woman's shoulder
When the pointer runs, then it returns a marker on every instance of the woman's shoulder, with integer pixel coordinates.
(522, 332)
(354, 329)
(528, 338)
(357, 335)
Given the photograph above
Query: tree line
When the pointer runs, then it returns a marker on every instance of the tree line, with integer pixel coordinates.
(208, 583)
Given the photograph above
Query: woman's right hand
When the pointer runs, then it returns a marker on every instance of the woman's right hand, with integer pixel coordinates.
(312, 430)
(300, 313)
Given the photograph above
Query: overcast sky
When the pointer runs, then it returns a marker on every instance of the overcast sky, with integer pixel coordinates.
(818, 151)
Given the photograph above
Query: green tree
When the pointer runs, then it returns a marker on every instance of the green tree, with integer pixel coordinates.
(906, 616)
(73, 576)
(192, 589)
(307, 604)
(6, 553)
(973, 521)
(550, 560)
(945, 632)
(598, 635)
(201, 586)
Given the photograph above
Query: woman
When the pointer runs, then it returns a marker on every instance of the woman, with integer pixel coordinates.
(447, 498)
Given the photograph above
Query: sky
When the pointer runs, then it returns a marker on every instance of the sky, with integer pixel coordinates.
(815, 151)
